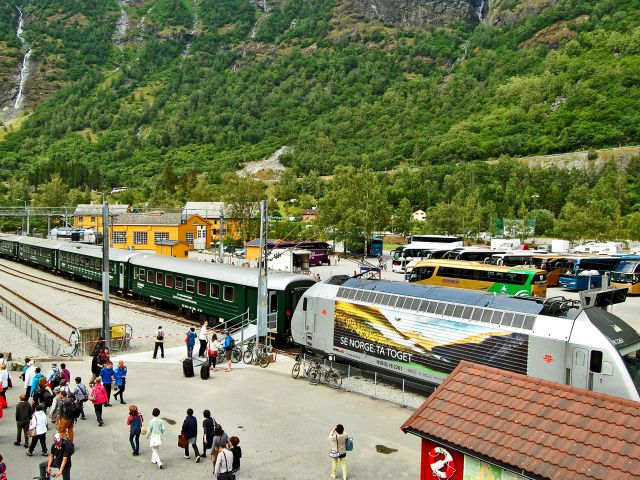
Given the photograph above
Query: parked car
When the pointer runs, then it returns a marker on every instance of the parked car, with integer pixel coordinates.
(240, 252)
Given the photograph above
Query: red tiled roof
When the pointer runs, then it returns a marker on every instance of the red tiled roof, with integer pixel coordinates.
(547, 429)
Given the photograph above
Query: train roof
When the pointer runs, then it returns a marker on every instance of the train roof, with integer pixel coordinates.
(95, 251)
(42, 242)
(526, 305)
(11, 238)
(216, 271)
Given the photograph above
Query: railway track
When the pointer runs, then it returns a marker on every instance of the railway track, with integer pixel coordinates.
(92, 294)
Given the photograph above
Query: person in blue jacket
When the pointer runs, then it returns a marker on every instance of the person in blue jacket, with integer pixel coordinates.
(190, 431)
(107, 375)
(191, 341)
(120, 375)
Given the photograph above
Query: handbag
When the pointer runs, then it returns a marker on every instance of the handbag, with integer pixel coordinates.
(93, 396)
(143, 429)
(31, 432)
(348, 444)
(182, 441)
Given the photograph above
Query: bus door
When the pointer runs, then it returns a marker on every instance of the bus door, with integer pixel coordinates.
(580, 367)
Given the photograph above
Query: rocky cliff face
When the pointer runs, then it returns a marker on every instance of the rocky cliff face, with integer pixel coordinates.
(420, 13)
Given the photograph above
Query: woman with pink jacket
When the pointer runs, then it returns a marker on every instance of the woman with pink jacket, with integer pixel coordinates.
(98, 397)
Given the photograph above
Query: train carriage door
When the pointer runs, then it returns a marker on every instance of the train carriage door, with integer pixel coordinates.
(121, 277)
(580, 368)
(310, 314)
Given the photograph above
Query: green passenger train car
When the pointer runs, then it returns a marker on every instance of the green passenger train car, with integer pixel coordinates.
(221, 291)
(85, 261)
(9, 246)
(39, 251)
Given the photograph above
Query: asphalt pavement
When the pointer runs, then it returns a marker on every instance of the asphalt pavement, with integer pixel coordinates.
(283, 425)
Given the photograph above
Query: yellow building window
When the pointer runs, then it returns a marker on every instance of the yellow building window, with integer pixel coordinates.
(119, 237)
(140, 238)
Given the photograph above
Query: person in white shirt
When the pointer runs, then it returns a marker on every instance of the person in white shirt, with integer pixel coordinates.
(159, 343)
(28, 377)
(203, 339)
(224, 460)
(4, 380)
(39, 423)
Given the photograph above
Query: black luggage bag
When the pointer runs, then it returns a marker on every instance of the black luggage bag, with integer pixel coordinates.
(204, 371)
(187, 367)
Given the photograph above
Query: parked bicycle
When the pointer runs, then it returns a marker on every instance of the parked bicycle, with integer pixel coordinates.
(321, 373)
(303, 365)
(258, 355)
(236, 354)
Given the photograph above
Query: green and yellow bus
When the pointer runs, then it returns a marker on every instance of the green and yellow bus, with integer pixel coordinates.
(478, 276)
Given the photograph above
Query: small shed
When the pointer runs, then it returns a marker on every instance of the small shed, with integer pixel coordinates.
(172, 248)
(484, 423)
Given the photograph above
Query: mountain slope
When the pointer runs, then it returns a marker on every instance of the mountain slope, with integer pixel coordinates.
(210, 84)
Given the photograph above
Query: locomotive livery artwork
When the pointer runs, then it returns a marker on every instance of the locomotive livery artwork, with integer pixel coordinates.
(423, 332)
(218, 291)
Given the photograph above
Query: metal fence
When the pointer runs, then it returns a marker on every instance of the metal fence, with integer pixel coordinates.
(383, 386)
(45, 341)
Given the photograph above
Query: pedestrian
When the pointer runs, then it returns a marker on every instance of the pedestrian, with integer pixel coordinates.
(228, 349)
(95, 368)
(219, 436)
(38, 425)
(237, 453)
(190, 432)
(65, 387)
(191, 341)
(28, 372)
(202, 337)
(55, 405)
(35, 382)
(24, 412)
(59, 458)
(98, 396)
(66, 374)
(54, 376)
(66, 416)
(81, 395)
(4, 380)
(3, 403)
(120, 375)
(224, 463)
(159, 343)
(3, 469)
(208, 427)
(214, 347)
(154, 433)
(106, 374)
(135, 422)
(338, 450)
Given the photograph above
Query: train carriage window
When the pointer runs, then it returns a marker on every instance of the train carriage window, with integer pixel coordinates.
(228, 293)
(150, 276)
(179, 283)
(371, 297)
(415, 304)
(477, 314)
(440, 308)
(191, 285)
(386, 298)
(202, 287)
(359, 294)
(168, 280)
(449, 310)
(273, 302)
(135, 272)
(142, 274)
(159, 278)
(214, 290)
(431, 308)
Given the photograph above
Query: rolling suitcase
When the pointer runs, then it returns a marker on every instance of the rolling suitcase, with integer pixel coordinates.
(204, 371)
(187, 367)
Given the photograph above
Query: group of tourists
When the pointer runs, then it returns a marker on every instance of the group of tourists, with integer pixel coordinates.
(209, 345)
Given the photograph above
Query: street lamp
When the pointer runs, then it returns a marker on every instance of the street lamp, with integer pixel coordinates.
(26, 210)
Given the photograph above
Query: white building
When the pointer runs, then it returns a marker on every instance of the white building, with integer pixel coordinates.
(419, 216)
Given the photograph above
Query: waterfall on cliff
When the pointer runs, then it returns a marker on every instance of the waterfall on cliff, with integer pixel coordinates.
(193, 28)
(481, 10)
(24, 68)
(121, 26)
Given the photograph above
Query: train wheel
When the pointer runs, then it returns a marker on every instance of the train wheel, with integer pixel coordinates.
(264, 360)
(314, 376)
(236, 355)
(248, 357)
(295, 371)
(335, 380)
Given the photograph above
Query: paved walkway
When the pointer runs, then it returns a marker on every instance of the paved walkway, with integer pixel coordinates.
(283, 425)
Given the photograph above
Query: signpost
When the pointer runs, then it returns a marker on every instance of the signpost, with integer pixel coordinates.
(106, 327)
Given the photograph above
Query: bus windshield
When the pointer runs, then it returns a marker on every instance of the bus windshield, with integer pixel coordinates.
(632, 362)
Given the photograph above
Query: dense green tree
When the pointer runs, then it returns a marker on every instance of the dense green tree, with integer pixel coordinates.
(53, 193)
(402, 217)
(242, 196)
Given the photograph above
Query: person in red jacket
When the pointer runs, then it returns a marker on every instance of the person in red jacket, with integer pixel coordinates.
(98, 397)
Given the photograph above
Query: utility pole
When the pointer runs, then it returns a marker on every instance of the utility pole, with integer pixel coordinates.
(26, 211)
(263, 292)
(221, 242)
(106, 326)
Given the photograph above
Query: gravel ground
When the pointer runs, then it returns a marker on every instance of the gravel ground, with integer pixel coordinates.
(16, 342)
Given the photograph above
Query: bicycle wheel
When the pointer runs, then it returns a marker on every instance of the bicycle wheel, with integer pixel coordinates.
(248, 357)
(295, 371)
(236, 355)
(334, 379)
(264, 359)
(314, 376)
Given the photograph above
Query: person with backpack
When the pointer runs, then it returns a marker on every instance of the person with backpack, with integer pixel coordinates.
(35, 384)
(67, 415)
(38, 431)
(54, 376)
(338, 450)
(59, 458)
(135, 422)
(208, 426)
(81, 395)
(120, 375)
(229, 343)
(159, 343)
(191, 341)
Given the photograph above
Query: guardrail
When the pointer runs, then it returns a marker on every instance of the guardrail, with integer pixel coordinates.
(45, 341)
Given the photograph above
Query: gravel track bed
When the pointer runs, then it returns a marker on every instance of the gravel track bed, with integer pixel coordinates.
(86, 313)
(17, 342)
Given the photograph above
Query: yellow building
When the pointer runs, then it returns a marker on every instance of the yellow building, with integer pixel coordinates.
(214, 213)
(142, 231)
(172, 248)
(90, 216)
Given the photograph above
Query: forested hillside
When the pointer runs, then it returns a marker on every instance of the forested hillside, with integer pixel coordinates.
(121, 90)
